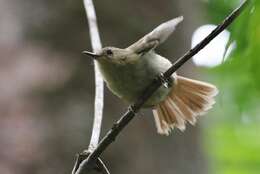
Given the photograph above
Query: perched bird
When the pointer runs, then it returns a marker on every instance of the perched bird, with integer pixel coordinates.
(128, 72)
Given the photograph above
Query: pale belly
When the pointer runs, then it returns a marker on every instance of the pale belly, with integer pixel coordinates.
(130, 81)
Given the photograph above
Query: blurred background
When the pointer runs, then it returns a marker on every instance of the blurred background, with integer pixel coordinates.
(47, 87)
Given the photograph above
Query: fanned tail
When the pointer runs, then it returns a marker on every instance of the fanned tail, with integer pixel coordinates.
(187, 100)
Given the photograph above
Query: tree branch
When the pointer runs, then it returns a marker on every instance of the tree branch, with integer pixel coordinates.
(99, 93)
(160, 80)
(99, 96)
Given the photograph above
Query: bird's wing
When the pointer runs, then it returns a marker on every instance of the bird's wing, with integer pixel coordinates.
(155, 37)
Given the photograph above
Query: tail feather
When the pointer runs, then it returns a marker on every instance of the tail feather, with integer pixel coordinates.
(198, 86)
(162, 126)
(174, 110)
(187, 100)
(186, 112)
(170, 120)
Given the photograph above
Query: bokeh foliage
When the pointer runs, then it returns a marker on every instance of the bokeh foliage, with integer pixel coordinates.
(234, 138)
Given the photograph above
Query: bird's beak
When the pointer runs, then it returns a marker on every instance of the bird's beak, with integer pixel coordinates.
(92, 55)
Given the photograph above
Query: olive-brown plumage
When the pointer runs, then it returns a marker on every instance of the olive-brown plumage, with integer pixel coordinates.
(128, 72)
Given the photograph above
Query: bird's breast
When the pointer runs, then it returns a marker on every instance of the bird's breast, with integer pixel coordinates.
(130, 81)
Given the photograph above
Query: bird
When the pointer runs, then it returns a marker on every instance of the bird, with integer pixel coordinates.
(128, 72)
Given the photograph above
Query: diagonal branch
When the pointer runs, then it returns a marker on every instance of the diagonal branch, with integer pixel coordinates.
(160, 80)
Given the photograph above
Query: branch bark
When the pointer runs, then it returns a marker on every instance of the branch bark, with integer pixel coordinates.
(99, 96)
(160, 80)
(99, 91)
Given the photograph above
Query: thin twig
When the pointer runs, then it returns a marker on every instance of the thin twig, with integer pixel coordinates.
(99, 96)
(161, 79)
(99, 93)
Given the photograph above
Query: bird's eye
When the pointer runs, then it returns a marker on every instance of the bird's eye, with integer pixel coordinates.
(109, 52)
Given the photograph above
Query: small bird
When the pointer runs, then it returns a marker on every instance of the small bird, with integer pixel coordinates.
(129, 71)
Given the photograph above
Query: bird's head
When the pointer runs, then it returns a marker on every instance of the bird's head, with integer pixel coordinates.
(114, 55)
